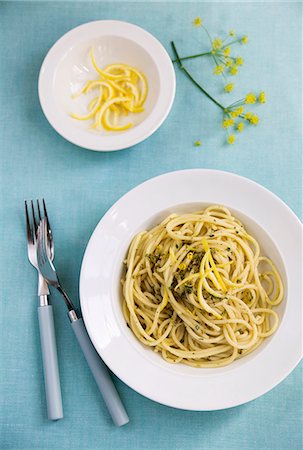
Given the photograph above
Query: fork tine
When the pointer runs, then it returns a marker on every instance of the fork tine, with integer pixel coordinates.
(46, 216)
(40, 249)
(34, 221)
(44, 238)
(39, 212)
(43, 241)
(28, 226)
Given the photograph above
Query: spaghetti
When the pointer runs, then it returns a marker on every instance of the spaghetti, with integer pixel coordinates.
(198, 291)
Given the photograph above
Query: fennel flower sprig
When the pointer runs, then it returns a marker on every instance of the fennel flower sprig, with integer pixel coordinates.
(235, 116)
(224, 61)
(220, 52)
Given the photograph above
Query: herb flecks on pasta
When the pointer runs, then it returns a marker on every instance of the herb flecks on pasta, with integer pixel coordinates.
(198, 291)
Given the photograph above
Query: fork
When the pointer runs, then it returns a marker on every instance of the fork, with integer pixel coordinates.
(45, 314)
(97, 366)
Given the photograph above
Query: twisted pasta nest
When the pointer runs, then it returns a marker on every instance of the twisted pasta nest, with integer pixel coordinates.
(197, 290)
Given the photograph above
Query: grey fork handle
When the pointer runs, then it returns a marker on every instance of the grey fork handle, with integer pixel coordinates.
(101, 375)
(50, 363)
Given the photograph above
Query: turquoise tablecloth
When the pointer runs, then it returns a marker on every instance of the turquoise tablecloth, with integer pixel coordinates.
(80, 186)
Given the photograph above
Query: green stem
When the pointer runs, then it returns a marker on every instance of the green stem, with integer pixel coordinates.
(215, 59)
(191, 56)
(236, 103)
(192, 79)
(231, 43)
(209, 36)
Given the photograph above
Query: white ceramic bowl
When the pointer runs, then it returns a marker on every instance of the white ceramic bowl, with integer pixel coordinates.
(67, 67)
(265, 216)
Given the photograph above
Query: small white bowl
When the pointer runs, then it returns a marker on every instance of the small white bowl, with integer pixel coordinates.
(67, 67)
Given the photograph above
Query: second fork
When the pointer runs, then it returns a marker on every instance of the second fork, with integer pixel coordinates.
(45, 315)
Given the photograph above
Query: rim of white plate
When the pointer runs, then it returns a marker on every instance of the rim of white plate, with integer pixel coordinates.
(92, 31)
(191, 388)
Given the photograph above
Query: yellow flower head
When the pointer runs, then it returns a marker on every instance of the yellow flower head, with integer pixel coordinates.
(250, 98)
(236, 112)
(248, 115)
(197, 143)
(244, 40)
(197, 22)
(254, 120)
(217, 44)
(233, 70)
(226, 51)
(239, 61)
(228, 62)
(190, 255)
(182, 266)
(218, 70)
(229, 87)
(262, 97)
(228, 123)
(240, 127)
(231, 139)
(232, 33)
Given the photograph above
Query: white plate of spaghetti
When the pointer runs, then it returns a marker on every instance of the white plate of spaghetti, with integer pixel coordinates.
(191, 289)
